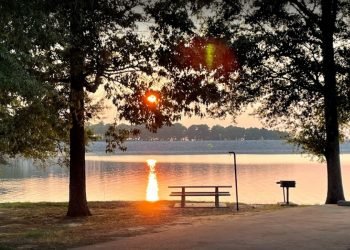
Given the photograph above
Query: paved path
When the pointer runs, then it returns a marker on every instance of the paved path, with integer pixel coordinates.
(315, 227)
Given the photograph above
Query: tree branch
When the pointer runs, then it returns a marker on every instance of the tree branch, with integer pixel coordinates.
(301, 6)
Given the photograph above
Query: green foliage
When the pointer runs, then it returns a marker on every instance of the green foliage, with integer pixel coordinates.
(292, 60)
(29, 110)
(28, 125)
(35, 61)
(280, 47)
(186, 59)
(15, 79)
(275, 48)
(33, 131)
(115, 137)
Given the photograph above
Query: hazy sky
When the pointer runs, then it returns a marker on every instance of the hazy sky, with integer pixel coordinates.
(245, 120)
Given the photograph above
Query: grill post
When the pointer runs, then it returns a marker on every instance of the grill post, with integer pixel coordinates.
(236, 184)
(286, 185)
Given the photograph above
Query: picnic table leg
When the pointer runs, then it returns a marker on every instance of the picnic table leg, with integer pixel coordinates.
(183, 197)
(216, 196)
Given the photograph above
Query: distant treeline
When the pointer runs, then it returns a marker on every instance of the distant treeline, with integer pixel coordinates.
(178, 132)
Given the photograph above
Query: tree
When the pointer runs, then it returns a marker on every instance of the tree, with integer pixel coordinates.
(101, 50)
(217, 132)
(234, 133)
(73, 47)
(28, 110)
(198, 132)
(174, 132)
(291, 57)
(295, 54)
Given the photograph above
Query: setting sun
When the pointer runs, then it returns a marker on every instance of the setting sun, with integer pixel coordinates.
(152, 98)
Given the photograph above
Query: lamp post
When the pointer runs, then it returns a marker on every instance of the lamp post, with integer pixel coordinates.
(236, 184)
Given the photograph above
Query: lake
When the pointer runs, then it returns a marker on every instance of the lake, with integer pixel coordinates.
(148, 168)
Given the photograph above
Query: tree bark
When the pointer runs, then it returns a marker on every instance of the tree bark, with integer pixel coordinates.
(335, 186)
(77, 180)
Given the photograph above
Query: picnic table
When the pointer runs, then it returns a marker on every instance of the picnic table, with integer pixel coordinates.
(216, 193)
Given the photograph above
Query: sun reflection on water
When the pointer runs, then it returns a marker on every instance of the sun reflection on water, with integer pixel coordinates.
(152, 186)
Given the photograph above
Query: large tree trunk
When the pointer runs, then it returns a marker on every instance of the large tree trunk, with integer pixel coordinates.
(335, 186)
(77, 181)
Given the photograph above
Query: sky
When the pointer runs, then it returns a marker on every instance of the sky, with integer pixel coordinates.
(245, 120)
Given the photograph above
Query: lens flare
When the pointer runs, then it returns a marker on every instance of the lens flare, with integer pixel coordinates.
(152, 186)
(209, 55)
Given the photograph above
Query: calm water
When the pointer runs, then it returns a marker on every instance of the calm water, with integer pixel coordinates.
(147, 176)
(207, 147)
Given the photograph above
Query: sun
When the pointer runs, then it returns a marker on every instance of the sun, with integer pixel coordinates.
(152, 98)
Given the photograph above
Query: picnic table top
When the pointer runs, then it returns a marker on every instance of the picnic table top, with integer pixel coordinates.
(184, 186)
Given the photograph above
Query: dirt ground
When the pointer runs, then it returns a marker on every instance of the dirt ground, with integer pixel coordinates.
(45, 226)
(303, 228)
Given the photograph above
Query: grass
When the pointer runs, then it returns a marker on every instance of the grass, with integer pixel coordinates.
(45, 226)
